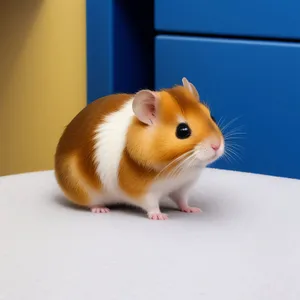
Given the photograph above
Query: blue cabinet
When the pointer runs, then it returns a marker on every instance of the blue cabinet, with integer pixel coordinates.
(253, 80)
(244, 57)
(267, 18)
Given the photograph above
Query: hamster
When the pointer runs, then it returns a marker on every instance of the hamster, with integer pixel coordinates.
(138, 148)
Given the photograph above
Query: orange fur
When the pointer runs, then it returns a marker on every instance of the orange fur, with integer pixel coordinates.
(72, 180)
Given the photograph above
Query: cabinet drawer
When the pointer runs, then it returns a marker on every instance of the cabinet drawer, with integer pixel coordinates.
(268, 18)
(256, 81)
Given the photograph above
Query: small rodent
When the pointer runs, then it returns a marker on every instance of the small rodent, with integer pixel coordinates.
(138, 148)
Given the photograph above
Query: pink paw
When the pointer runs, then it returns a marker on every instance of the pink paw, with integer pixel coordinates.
(189, 209)
(157, 216)
(99, 210)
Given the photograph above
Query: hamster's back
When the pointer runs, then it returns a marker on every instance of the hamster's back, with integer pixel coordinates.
(75, 169)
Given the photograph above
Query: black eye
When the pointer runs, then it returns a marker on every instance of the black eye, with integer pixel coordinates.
(183, 131)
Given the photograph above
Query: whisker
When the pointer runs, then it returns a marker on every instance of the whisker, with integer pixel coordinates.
(234, 153)
(236, 128)
(230, 158)
(231, 143)
(179, 168)
(220, 122)
(235, 146)
(229, 123)
(185, 164)
(174, 161)
(234, 134)
(233, 158)
(232, 138)
(234, 131)
(192, 160)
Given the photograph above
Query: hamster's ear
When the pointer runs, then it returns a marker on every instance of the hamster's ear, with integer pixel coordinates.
(188, 85)
(145, 106)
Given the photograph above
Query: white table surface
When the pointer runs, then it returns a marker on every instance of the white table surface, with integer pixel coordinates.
(245, 245)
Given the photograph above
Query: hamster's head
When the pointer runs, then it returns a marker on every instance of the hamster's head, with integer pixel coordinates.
(172, 125)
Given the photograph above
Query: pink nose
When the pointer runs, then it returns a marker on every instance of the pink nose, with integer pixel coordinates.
(215, 146)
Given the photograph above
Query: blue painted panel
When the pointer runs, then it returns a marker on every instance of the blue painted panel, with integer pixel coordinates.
(99, 24)
(120, 46)
(133, 45)
(256, 81)
(269, 18)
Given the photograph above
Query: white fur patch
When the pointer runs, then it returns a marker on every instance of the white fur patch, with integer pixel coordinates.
(110, 143)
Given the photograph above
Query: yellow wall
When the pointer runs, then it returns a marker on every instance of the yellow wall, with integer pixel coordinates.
(42, 78)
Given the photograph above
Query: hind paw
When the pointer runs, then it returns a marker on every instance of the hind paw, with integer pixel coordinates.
(99, 210)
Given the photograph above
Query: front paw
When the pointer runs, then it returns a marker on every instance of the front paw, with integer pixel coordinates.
(190, 209)
(157, 216)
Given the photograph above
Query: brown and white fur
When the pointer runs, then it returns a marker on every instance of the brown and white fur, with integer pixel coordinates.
(124, 149)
